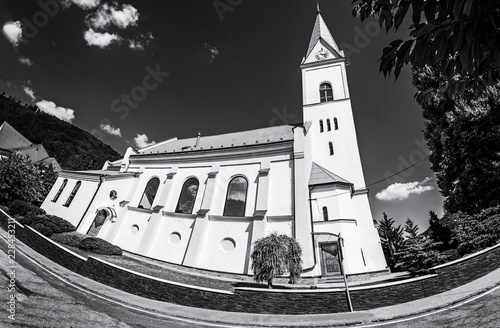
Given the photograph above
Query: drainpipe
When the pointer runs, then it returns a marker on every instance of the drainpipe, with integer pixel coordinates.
(101, 179)
(312, 234)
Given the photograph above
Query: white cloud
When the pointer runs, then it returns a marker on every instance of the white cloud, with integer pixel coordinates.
(101, 40)
(404, 190)
(13, 31)
(84, 4)
(106, 15)
(62, 113)
(29, 92)
(25, 61)
(141, 141)
(213, 52)
(111, 130)
(136, 45)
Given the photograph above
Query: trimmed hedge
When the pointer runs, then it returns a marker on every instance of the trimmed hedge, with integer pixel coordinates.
(72, 239)
(20, 207)
(99, 246)
(47, 224)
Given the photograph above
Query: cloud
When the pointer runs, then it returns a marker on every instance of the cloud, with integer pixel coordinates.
(111, 130)
(136, 45)
(213, 52)
(101, 40)
(13, 31)
(402, 191)
(107, 15)
(141, 141)
(29, 92)
(83, 4)
(25, 61)
(62, 113)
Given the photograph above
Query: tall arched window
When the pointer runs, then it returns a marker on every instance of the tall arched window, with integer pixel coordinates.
(325, 92)
(321, 128)
(328, 125)
(325, 213)
(188, 196)
(330, 145)
(335, 123)
(56, 197)
(149, 193)
(236, 198)
(73, 194)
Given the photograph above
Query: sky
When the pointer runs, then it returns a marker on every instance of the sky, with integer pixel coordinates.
(136, 72)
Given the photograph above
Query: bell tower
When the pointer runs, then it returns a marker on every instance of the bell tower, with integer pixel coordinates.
(337, 197)
(327, 106)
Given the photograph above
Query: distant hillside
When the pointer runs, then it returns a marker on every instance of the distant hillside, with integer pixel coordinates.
(72, 147)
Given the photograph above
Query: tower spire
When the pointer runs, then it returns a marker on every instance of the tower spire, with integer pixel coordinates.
(321, 32)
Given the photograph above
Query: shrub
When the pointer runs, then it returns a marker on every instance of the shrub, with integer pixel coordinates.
(58, 224)
(99, 246)
(20, 207)
(43, 229)
(72, 239)
(47, 224)
(476, 244)
(4, 208)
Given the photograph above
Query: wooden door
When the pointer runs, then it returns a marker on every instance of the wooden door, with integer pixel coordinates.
(330, 259)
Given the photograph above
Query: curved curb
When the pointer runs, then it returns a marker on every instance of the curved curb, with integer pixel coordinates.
(323, 320)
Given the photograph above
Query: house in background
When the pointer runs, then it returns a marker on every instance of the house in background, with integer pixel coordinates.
(12, 142)
(202, 202)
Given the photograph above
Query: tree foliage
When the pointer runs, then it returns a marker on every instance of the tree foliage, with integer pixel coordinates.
(72, 147)
(411, 228)
(22, 180)
(438, 231)
(392, 239)
(476, 232)
(463, 135)
(276, 255)
(463, 36)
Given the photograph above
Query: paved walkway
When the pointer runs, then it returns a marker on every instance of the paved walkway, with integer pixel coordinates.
(244, 319)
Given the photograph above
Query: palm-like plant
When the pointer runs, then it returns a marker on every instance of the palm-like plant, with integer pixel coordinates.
(274, 256)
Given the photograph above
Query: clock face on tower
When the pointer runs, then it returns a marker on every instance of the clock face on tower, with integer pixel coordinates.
(322, 54)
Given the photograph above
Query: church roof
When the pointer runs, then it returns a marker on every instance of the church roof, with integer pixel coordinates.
(10, 138)
(237, 139)
(320, 175)
(321, 31)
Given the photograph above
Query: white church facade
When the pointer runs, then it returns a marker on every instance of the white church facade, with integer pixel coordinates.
(202, 202)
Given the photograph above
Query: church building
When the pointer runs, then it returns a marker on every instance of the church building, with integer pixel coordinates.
(202, 202)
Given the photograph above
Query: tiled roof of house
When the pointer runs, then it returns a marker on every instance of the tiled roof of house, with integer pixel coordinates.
(11, 139)
(236, 139)
(320, 175)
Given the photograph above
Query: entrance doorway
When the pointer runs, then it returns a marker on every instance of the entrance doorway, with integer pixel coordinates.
(97, 224)
(330, 259)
